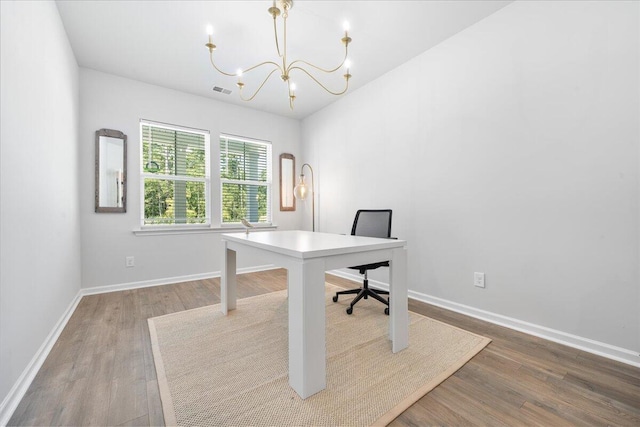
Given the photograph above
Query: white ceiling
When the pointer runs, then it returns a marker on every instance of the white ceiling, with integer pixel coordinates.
(163, 42)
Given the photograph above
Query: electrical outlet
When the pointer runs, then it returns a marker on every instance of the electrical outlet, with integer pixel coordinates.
(478, 280)
(130, 261)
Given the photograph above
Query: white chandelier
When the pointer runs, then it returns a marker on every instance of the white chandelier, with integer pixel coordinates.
(282, 66)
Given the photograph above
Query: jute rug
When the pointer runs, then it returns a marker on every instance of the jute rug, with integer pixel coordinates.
(233, 370)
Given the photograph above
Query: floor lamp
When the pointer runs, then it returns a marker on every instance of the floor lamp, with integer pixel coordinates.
(301, 191)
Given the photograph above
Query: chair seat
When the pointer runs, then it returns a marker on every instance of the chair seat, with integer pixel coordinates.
(363, 268)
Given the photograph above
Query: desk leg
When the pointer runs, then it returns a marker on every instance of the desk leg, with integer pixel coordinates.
(228, 280)
(307, 345)
(398, 300)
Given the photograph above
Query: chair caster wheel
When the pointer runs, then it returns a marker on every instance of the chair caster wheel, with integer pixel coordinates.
(386, 311)
(349, 310)
(335, 298)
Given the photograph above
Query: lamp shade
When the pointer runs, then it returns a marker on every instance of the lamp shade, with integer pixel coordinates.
(301, 190)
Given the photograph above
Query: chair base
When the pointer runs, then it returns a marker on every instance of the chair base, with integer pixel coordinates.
(364, 292)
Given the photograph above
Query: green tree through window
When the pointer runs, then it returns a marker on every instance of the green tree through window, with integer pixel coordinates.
(245, 179)
(175, 175)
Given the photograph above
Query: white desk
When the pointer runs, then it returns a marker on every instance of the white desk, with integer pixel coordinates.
(307, 255)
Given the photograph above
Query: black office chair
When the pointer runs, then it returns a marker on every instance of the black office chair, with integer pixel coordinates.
(369, 223)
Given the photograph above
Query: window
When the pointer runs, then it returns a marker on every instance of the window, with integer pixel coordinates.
(174, 175)
(245, 180)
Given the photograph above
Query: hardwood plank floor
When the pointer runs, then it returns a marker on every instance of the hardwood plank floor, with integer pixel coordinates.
(101, 371)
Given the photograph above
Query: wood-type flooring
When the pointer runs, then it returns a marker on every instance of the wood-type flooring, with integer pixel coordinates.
(101, 372)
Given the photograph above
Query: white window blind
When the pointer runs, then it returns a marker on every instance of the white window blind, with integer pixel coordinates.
(175, 175)
(245, 179)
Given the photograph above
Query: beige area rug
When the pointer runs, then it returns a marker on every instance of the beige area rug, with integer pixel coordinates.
(233, 370)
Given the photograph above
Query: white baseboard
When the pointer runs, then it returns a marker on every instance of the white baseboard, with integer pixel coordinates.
(17, 392)
(19, 389)
(93, 290)
(591, 346)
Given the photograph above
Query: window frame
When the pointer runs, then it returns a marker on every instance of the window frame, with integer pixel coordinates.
(268, 183)
(206, 179)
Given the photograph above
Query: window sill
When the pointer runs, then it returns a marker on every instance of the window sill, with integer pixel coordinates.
(195, 229)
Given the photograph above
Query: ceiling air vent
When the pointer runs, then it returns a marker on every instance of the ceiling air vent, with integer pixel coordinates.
(221, 90)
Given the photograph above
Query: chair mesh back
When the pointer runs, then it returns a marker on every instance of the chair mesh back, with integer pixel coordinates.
(372, 223)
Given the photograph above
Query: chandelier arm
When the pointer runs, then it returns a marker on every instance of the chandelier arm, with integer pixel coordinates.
(218, 69)
(257, 90)
(346, 53)
(260, 65)
(300, 61)
(320, 84)
(244, 71)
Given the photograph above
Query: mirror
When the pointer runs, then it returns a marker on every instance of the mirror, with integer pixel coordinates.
(111, 171)
(287, 181)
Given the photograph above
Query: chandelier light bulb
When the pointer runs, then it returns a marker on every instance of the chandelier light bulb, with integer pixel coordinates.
(210, 45)
(239, 84)
(293, 87)
(346, 26)
(347, 64)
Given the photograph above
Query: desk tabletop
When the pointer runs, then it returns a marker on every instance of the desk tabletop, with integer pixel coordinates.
(308, 244)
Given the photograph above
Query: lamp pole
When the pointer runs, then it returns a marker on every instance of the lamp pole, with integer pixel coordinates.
(301, 190)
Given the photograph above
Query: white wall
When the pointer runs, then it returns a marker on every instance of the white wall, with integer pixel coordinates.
(113, 102)
(511, 149)
(39, 215)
